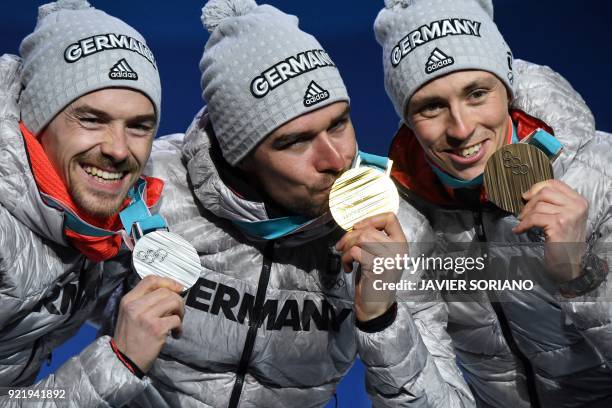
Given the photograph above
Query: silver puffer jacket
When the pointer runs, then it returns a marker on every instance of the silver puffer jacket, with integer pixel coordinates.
(47, 289)
(533, 343)
(271, 324)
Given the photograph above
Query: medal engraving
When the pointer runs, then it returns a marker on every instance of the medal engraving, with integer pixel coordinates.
(361, 193)
(511, 171)
(514, 163)
(166, 254)
(151, 256)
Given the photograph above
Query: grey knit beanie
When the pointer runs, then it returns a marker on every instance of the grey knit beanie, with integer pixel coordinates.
(259, 71)
(76, 49)
(426, 39)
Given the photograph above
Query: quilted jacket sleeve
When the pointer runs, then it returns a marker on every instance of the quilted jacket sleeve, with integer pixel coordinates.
(545, 94)
(592, 313)
(94, 378)
(411, 362)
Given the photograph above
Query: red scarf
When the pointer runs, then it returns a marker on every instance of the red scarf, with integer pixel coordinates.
(412, 171)
(49, 182)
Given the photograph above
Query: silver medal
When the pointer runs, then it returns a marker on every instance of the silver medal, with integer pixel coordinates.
(166, 254)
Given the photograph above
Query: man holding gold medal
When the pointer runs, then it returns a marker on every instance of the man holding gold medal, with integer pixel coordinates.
(476, 155)
(273, 320)
(78, 114)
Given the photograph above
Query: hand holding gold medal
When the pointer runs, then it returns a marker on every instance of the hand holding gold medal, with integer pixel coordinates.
(364, 201)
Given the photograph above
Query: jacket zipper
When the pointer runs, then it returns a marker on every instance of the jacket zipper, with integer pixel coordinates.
(249, 343)
(504, 325)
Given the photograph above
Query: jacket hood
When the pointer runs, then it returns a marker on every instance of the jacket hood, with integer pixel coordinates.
(19, 193)
(543, 99)
(208, 186)
(213, 192)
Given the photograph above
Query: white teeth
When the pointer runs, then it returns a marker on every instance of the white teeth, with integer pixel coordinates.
(471, 150)
(102, 175)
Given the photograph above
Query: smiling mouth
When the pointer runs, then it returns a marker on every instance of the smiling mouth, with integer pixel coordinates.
(467, 152)
(103, 176)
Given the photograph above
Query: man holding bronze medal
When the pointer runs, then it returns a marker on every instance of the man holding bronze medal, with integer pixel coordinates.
(273, 320)
(79, 112)
(467, 109)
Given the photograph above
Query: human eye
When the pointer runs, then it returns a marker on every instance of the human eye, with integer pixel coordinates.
(141, 128)
(431, 109)
(339, 125)
(295, 144)
(288, 143)
(478, 95)
(90, 121)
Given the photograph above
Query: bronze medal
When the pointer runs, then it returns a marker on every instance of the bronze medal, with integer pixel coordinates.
(511, 171)
(360, 193)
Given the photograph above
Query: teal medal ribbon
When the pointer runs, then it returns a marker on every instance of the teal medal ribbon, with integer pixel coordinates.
(546, 142)
(135, 215)
(279, 227)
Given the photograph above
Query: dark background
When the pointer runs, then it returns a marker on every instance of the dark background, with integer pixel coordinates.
(572, 37)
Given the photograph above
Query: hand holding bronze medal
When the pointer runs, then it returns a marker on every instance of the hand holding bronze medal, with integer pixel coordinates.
(360, 193)
(511, 171)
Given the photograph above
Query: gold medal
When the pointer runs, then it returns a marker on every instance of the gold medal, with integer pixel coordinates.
(360, 193)
(511, 171)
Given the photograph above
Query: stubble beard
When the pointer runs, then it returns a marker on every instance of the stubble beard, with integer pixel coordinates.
(100, 204)
(314, 206)
(97, 204)
(310, 210)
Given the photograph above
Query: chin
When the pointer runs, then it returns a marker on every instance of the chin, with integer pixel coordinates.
(101, 211)
(96, 206)
(468, 174)
(311, 211)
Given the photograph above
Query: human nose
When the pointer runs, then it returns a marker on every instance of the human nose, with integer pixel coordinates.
(115, 145)
(328, 155)
(460, 123)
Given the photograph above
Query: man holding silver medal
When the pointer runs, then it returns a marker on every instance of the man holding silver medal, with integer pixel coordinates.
(467, 109)
(78, 115)
(270, 321)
